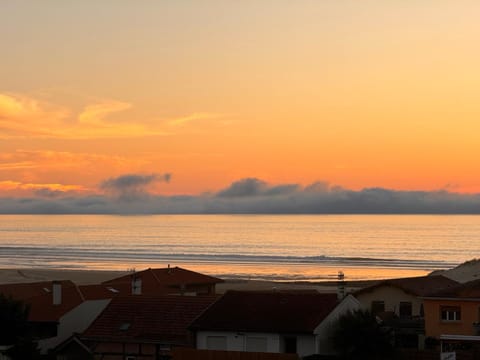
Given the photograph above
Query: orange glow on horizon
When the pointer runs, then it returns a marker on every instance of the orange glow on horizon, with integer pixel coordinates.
(356, 95)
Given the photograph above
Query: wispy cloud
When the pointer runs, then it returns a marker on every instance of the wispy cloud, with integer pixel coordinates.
(21, 116)
(245, 196)
(183, 120)
(18, 188)
(64, 160)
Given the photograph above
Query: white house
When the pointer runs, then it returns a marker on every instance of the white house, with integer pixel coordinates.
(275, 322)
(402, 296)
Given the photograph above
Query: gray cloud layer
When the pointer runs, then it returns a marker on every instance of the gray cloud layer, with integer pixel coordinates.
(132, 186)
(247, 196)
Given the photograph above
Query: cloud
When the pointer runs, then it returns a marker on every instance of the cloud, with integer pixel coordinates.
(255, 187)
(245, 196)
(180, 121)
(244, 187)
(17, 188)
(132, 186)
(40, 165)
(95, 114)
(22, 116)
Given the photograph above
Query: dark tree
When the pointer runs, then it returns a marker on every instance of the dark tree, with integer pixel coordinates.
(359, 335)
(14, 329)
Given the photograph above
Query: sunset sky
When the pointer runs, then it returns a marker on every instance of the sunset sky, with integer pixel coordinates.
(189, 97)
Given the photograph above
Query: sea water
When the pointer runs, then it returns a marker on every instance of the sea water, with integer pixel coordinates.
(269, 247)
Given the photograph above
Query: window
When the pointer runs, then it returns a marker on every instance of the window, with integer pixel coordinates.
(378, 307)
(290, 343)
(405, 309)
(256, 344)
(216, 342)
(124, 326)
(450, 313)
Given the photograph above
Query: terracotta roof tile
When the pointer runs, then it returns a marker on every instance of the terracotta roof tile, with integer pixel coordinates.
(24, 291)
(418, 286)
(469, 290)
(42, 308)
(39, 297)
(148, 318)
(162, 281)
(267, 311)
(100, 291)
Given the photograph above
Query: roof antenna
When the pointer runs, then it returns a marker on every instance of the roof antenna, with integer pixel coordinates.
(340, 285)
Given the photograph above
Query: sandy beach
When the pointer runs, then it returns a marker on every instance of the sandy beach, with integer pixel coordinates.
(80, 277)
(463, 273)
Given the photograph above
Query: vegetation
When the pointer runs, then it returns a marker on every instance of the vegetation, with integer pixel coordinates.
(14, 329)
(359, 335)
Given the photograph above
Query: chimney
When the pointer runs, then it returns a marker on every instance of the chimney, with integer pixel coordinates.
(136, 285)
(57, 292)
(341, 285)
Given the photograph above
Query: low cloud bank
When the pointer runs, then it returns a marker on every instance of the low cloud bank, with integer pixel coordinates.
(247, 196)
(132, 186)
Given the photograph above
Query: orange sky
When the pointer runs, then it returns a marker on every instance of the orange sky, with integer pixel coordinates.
(354, 93)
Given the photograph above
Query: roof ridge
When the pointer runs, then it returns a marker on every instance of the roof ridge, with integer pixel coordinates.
(154, 276)
(82, 297)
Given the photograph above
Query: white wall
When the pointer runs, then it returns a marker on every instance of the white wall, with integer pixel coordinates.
(238, 341)
(75, 321)
(306, 345)
(323, 331)
(392, 296)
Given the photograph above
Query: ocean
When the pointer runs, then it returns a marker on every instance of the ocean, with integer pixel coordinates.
(263, 247)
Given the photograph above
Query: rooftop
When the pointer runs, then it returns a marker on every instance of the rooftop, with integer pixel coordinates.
(163, 280)
(148, 318)
(469, 290)
(417, 286)
(267, 311)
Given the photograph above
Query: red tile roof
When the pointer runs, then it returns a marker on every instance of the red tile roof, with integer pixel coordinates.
(100, 291)
(42, 308)
(24, 291)
(162, 281)
(278, 312)
(469, 290)
(39, 297)
(417, 286)
(148, 318)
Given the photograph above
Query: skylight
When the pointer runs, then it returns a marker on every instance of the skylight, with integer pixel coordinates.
(124, 326)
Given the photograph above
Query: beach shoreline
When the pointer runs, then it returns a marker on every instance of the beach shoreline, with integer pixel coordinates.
(465, 272)
(87, 277)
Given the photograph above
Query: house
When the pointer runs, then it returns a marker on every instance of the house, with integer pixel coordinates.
(170, 280)
(400, 303)
(142, 326)
(453, 311)
(48, 302)
(57, 309)
(401, 296)
(271, 321)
